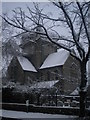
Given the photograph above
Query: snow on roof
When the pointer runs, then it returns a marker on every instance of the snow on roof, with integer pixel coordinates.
(26, 64)
(55, 59)
(75, 92)
(45, 84)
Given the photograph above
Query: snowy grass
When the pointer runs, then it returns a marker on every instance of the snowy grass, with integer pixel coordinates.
(16, 114)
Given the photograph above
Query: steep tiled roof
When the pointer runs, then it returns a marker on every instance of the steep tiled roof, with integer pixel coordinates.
(26, 64)
(55, 59)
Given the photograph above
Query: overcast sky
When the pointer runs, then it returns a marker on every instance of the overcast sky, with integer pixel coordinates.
(7, 7)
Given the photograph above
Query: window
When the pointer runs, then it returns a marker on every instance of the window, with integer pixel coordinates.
(56, 75)
(48, 75)
(73, 70)
(56, 78)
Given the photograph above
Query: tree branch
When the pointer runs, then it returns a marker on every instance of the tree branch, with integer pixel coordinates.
(86, 31)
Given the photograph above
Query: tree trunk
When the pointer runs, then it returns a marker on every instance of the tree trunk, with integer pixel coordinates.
(82, 103)
(83, 89)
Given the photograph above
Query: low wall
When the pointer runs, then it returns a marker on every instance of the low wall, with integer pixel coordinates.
(43, 109)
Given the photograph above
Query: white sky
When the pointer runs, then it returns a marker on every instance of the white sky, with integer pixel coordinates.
(7, 7)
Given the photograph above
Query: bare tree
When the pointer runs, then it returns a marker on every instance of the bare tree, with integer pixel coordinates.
(9, 47)
(73, 16)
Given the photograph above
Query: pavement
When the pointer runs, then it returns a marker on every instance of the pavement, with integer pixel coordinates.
(46, 118)
(17, 115)
(40, 119)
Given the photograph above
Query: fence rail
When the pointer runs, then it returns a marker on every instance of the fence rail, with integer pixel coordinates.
(43, 109)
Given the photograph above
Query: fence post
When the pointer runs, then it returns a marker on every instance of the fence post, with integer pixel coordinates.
(27, 104)
(56, 98)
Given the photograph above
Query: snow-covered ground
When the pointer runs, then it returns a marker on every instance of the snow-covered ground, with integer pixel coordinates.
(18, 114)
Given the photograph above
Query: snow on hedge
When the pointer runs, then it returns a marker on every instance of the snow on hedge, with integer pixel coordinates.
(17, 87)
